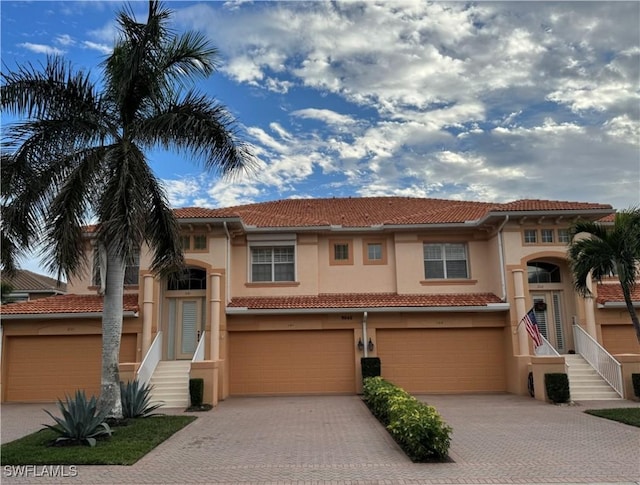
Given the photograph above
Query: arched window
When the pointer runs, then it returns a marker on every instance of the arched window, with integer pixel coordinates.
(539, 272)
(191, 279)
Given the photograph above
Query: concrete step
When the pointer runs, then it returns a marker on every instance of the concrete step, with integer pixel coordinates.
(585, 384)
(170, 383)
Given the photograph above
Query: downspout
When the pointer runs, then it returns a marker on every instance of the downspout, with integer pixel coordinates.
(501, 254)
(227, 283)
(364, 334)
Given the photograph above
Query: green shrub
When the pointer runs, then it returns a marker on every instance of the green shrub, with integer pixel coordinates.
(635, 380)
(557, 386)
(136, 400)
(80, 421)
(370, 367)
(196, 391)
(416, 427)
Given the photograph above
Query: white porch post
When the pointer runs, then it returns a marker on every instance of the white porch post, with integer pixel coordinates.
(147, 315)
(521, 310)
(214, 306)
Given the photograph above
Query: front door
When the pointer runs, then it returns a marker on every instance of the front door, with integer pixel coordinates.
(549, 311)
(184, 326)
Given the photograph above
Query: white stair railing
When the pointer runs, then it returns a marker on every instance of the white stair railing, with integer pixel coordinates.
(546, 348)
(150, 361)
(602, 361)
(198, 355)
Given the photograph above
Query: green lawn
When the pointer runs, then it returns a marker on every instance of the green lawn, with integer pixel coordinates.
(126, 446)
(629, 416)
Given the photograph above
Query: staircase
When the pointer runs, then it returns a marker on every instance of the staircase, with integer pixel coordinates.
(170, 383)
(585, 384)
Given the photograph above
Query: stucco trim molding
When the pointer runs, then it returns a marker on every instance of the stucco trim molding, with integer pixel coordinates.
(489, 307)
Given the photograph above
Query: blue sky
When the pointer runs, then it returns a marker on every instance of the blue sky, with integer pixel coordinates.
(474, 101)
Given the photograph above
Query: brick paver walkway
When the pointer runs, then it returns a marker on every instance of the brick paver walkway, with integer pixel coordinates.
(497, 439)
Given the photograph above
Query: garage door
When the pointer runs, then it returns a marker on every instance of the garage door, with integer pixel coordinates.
(44, 368)
(443, 360)
(294, 362)
(620, 339)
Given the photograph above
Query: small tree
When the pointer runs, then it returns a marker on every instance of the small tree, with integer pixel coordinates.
(606, 251)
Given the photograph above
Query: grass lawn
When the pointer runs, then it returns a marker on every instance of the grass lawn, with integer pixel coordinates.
(126, 446)
(629, 416)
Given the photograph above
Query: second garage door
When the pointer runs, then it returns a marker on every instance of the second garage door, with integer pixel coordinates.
(293, 362)
(443, 360)
(620, 339)
(45, 368)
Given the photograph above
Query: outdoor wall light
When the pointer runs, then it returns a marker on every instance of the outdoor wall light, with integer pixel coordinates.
(360, 345)
(370, 345)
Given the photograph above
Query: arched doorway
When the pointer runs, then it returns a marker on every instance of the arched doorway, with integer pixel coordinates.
(549, 295)
(184, 313)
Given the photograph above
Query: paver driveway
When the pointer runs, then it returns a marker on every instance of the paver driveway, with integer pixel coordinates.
(496, 439)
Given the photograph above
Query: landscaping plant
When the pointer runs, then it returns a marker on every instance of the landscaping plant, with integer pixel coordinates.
(196, 391)
(80, 421)
(635, 380)
(136, 400)
(416, 427)
(557, 386)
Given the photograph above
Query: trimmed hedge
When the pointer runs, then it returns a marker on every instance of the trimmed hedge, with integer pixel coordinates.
(370, 366)
(557, 386)
(416, 427)
(635, 380)
(196, 391)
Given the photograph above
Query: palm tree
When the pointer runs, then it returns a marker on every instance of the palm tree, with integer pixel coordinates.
(80, 156)
(606, 251)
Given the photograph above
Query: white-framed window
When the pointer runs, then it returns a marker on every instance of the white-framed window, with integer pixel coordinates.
(564, 236)
(341, 251)
(374, 251)
(530, 236)
(445, 261)
(273, 263)
(547, 235)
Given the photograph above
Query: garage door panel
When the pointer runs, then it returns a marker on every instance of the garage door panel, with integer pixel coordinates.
(296, 362)
(620, 339)
(443, 360)
(45, 368)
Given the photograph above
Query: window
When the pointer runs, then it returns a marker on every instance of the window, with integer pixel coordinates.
(340, 252)
(543, 273)
(185, 242)
(445, 261)
(131, 270)
(272, 263)
(564, 236)
(374, 251)
(191, 279)
(199, 242)
(530, 236)
(193, 242)
(547, 235)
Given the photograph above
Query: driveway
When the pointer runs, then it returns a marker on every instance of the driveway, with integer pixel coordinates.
(334, 440)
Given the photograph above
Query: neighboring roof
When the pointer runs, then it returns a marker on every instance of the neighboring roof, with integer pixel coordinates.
(612, 293)
(28, 281)
(377, 211)
(364, 300)
(66, 304)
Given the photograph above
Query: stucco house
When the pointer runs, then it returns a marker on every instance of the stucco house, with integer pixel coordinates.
(285, 297)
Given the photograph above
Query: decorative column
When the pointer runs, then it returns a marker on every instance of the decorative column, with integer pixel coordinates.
(589, 310)
(147, 312)
(214, 307)
(521, 310)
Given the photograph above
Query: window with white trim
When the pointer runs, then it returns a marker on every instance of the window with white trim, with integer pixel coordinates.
(564, 236)
(272, 263)
(445, 261)
(530, 236)
(547, 235)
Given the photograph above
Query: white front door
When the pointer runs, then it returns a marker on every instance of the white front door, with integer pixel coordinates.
(188, 327)
(549, 312)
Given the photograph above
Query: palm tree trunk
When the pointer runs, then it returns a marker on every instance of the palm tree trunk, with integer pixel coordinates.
(109, 401)
(632, 311)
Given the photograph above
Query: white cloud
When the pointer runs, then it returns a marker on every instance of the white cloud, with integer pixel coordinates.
(103, 48)
(42, 48)
(325, 115)
(65, 39)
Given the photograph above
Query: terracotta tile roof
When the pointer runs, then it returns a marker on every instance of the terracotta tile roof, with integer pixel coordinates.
(363, 300)
(608, 218)
(612, 292)
(547, 205)
(28, 281)
(65, 304)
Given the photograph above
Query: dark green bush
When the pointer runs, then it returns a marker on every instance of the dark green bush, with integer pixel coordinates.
(557, 386)
(370, 366)
(635, 380)
(80, 421)
(136, 400)
(416, 427)
(196, 391)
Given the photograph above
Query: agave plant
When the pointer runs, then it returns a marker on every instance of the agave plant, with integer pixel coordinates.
(136, 400)
(80, 420)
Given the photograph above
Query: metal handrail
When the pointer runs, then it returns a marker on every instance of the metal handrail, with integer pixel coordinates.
(150, 361)
(198, 355)
(546, 348)
(602, 361)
